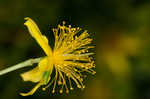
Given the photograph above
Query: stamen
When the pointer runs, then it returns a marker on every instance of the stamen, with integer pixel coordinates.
(67, 90)
(64, 82)
(78, 85)
(71, 88)
(53, 91)
(70, 50)
(48, 85)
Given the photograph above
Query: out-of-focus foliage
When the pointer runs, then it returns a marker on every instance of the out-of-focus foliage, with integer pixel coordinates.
(121, 32)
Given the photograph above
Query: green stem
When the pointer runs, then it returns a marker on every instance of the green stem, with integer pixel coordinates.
(20, 65)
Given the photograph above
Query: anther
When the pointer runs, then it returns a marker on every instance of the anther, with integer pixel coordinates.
(59, 26)
(69, 26)
(94, 72)
(61, 91)
(43, 89)
(71, 88)
(83, 87)
(59, 82)
(64, 22)
(79, 86)
(53, 91)
(67, 91)
(86, 67)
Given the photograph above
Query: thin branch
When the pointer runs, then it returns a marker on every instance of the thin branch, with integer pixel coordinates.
(20, 65)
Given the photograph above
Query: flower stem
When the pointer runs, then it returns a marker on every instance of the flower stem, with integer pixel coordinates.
(20, 65)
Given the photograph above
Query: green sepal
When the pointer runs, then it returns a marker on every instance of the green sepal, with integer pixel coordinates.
(46, 77)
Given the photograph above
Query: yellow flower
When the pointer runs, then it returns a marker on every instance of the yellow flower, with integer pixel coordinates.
(67, 61)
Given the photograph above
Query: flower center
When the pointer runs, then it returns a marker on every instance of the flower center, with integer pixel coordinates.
(57, 58)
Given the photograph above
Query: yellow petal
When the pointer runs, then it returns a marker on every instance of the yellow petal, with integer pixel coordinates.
(46, 65)
(43, 64)
(34, 75)
(32, 91)
(35, 32)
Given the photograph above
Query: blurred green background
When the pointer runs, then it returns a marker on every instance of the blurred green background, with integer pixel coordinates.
(121, 33)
